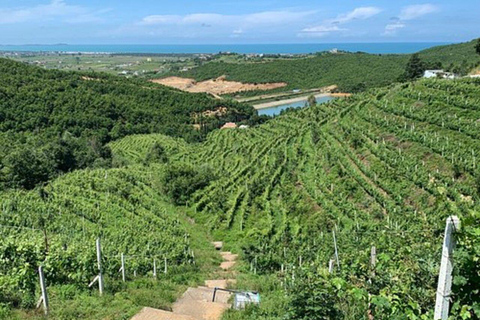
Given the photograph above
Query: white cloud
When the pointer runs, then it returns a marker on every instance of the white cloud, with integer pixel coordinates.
(268, 18)
(361, 13)
(417, 11)
(332, 25)
(391, 28)
(53, 10)
(407, 14)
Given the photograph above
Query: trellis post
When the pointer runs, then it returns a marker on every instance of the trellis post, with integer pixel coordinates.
(43, 287)
(331, 264)
(99, 260)
(444, 287)
(154, 268)
(123, 267)
(336, 249)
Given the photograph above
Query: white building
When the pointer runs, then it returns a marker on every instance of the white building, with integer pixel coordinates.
(438, 73)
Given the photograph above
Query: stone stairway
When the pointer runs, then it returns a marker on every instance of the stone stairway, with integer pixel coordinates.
(196, 303)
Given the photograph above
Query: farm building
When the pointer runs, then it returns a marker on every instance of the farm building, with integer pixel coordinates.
(438, 73)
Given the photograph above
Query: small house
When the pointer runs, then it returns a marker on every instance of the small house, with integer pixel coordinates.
(438, 74)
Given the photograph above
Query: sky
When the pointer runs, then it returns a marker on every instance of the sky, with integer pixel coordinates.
(229, 21)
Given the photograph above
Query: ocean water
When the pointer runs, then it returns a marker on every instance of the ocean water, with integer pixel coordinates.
(378, 48)
(273, 111)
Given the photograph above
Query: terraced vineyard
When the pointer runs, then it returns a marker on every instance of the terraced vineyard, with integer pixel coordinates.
(384, 169)
(57, 226)
(381, 169)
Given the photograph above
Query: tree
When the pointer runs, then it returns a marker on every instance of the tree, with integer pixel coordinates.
(415, 68)
(477, 46)
(312, 101)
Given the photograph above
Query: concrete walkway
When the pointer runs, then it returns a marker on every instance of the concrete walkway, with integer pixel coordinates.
(196, 303)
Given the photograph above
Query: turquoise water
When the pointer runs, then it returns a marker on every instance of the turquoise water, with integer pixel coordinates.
(273, 111)
(400, 47)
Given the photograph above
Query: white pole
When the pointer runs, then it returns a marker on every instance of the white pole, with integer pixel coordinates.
(336, 249)
(123, 267)
(373, 257)
(43, 287)
(154, 268)
(99, 260)
(446, 267)
(331, 264)
(165, 267)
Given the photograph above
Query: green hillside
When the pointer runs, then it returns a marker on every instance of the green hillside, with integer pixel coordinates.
(352, 72)
(384, 169)
(53, 122)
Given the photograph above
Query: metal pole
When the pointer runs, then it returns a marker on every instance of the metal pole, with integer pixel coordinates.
(43, 287)
(99, 260)
(165, 267)
(445, 276)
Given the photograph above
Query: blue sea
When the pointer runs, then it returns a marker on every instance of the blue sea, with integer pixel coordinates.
(377, 48)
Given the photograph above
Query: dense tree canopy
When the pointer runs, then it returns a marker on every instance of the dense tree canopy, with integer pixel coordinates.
(53, 121)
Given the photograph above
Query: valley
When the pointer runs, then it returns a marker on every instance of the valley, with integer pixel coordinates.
(300, 200)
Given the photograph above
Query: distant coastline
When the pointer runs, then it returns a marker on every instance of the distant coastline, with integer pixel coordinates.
(292, 49)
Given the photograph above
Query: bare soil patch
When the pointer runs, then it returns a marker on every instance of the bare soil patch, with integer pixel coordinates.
(217, 86)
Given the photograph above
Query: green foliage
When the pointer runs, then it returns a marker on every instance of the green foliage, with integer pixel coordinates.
(312, 100)
(467, 270)
(477, 46)
(382, 168)
(157, 153)
(352, 72)
(415, 68)
(349, 71)
(87, 111)
(181, 180)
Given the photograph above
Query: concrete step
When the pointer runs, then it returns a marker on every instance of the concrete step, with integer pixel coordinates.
(157, 314)
(218, 245)
(200, 310)
(227, 265)
(228, 256)
(222, 283)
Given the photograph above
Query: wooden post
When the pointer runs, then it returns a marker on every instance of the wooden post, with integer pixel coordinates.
(336, 249)
(99, 260)
(123, 268)
(255, 266)
(43, 287)
(445, 276)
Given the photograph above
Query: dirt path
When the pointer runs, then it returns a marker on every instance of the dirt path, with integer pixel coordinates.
(196, 303)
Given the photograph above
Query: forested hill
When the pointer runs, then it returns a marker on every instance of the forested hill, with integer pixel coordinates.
(53, 121)
(352, 72)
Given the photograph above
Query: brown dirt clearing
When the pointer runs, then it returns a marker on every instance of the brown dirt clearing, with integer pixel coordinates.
(217, 86)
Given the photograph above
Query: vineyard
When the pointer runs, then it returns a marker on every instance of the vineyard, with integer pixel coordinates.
(381, 169)
(56, 227)
(326, 183)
